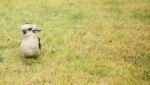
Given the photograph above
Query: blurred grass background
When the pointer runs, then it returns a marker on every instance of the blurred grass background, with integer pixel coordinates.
(84, 42)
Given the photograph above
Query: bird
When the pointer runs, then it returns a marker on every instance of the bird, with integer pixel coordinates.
(30, 45)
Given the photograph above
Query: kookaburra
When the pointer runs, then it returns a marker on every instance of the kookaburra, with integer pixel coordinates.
(30, 45)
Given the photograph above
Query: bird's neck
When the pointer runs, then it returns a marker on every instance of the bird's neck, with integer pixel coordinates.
(29, 34)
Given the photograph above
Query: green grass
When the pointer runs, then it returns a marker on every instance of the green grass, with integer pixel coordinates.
(84, 42)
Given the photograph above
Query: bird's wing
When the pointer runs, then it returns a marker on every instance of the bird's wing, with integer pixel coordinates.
(39, 43)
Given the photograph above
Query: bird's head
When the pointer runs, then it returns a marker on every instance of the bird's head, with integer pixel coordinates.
(29, 28)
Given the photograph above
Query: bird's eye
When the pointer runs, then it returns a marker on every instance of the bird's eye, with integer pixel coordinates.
(30, 29)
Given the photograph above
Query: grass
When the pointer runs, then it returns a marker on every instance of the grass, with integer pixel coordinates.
(84, 42)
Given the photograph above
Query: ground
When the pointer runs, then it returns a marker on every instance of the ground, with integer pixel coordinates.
(84, 42)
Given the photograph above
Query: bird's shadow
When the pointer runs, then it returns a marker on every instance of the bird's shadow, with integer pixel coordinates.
(31, 61)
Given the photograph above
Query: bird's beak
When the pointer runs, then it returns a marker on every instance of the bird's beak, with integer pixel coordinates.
(37, 30)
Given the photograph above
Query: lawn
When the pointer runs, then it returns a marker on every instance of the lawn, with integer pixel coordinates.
(84, 42)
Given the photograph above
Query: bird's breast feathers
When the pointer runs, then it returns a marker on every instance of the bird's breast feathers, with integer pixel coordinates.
(30, 46)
